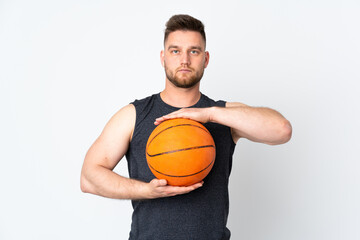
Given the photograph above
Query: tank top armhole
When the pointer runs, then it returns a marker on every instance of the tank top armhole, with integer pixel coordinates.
(142, 107)
(135, 103)
(134, 123)
(222, 103)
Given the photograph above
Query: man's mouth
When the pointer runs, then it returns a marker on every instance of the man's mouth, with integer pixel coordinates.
(184, 70)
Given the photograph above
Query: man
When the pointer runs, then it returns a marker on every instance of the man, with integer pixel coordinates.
(167, 212)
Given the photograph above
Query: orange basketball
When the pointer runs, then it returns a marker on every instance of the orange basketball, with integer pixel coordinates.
(182, 151)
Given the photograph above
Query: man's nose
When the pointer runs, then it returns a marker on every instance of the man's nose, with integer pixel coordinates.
(185, 59)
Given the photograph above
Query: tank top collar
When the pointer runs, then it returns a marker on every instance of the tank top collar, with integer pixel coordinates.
(164, 104)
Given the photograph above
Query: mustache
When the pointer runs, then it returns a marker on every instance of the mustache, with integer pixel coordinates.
(184, 68)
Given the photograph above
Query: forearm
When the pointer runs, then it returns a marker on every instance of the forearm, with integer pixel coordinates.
(257, 124)
(104, 182)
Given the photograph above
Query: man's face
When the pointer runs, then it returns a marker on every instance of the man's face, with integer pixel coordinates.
(184, 58)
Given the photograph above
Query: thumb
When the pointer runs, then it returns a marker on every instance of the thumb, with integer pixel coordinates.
(159, 182)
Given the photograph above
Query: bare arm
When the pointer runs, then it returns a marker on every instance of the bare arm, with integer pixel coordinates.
(97, 176)
(257, 124)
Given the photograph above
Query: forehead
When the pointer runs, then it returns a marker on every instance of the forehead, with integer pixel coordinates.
(185, 39)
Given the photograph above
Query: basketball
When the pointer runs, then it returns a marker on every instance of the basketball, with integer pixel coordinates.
(182, 151)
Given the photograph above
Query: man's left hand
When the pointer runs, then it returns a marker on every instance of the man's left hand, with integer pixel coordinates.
(198, 114)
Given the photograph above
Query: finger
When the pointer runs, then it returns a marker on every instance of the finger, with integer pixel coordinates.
(163, 118)
(162, 182)
(177, 114)
(196, 186)
(161, 189)
(199, 184)
(159, 120)
(158, 182)
(187, 189)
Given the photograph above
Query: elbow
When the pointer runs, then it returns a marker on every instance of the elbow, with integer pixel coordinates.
(84, 184)
(285, 132)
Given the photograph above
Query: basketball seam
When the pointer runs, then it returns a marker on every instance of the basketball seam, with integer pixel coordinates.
(189, 175)
(179, 125)
(179, 150)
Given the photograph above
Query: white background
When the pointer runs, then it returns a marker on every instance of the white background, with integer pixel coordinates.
(67, 66)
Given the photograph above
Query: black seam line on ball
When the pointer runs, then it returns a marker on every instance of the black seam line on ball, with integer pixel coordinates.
(179, 150)
(189, 175)
(180, 125)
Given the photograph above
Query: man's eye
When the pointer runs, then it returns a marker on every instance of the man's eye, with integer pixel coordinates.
(194, 52)
(175, 51)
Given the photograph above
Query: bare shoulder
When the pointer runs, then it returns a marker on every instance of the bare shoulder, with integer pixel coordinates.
(114, 140)
(126, 113)
(235, 104)
(123, 121)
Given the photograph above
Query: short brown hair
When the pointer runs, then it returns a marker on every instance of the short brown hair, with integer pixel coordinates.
(186, 23)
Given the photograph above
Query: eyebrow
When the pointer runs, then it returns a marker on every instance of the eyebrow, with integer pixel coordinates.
(191, 47)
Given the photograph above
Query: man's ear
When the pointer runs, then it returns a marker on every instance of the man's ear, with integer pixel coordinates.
(207, 58)
(162, 57)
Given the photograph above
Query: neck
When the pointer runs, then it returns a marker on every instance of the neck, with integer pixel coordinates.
(180, 97)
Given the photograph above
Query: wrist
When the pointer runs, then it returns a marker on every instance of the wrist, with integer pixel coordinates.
(213, 111)
(138, 190)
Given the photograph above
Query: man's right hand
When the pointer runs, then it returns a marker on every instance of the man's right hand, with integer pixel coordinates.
(158, 188)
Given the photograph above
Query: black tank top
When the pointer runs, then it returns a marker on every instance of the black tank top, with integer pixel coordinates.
(200, 214)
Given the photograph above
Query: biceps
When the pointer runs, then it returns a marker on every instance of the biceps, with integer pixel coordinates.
(106, 154)
(114, 141)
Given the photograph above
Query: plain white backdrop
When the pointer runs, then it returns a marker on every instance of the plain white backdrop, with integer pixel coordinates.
(67, 66)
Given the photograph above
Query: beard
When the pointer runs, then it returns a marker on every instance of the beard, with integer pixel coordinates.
(185, 81)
